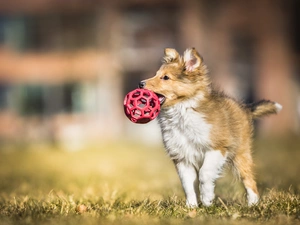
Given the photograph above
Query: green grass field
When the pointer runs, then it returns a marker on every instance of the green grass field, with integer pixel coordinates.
(131, 183)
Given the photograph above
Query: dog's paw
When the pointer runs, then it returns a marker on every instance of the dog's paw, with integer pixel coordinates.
(207, 202)
(207, 198)
(191, 204)
(252, 197)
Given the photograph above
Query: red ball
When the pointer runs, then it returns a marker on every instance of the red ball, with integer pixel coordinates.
(141, 105)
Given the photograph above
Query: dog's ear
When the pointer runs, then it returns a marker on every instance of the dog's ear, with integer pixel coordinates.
(171, 55)
(192, 59)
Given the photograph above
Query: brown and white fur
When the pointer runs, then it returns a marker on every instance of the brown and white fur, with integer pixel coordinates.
(203, 129)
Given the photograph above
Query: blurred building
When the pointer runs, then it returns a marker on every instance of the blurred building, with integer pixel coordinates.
(65, 66)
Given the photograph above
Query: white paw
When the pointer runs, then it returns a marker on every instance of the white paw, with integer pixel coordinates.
(252, 197)
(207, 200)
(191, 203)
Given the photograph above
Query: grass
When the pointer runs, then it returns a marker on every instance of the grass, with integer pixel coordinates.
(130, 183)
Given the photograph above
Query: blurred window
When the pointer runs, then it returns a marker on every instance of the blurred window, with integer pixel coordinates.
(48, 100)
(150, 27)
(2, 34)
(12, 32)
(31, 100)
(4, 91)
(49, 32)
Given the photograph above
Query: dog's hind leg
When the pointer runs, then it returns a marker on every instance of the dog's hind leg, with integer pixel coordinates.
(189, 180)
(209, 172)
(243, 164)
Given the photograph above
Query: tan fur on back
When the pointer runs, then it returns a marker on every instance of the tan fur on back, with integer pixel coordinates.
(232, 125)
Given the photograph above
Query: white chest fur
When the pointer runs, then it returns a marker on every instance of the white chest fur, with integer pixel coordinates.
(185, 133)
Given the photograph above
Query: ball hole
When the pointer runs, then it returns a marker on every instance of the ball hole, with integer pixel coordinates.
(137, 113)
(135, 95)
(142, 103)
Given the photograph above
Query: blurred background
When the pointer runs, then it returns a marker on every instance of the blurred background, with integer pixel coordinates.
(65, 66)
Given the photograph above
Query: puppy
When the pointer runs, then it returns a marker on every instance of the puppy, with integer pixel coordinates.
(204, 129)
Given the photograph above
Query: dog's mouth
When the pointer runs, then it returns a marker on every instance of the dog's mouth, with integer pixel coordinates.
(161, 98)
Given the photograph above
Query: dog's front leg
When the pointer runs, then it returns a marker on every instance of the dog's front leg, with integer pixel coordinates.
(190, 183)
(209, 172)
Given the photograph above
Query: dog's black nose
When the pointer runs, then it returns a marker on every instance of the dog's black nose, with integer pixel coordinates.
(142, 84)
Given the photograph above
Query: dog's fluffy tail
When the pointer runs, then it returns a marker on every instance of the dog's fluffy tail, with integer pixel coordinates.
(264, 108)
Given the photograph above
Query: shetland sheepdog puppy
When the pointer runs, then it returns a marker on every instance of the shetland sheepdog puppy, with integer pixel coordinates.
(203, 129)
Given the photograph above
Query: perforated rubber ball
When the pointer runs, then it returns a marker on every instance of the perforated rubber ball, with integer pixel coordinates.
(141, 106)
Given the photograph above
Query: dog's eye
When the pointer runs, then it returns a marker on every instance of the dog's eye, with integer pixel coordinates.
(165, 77)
